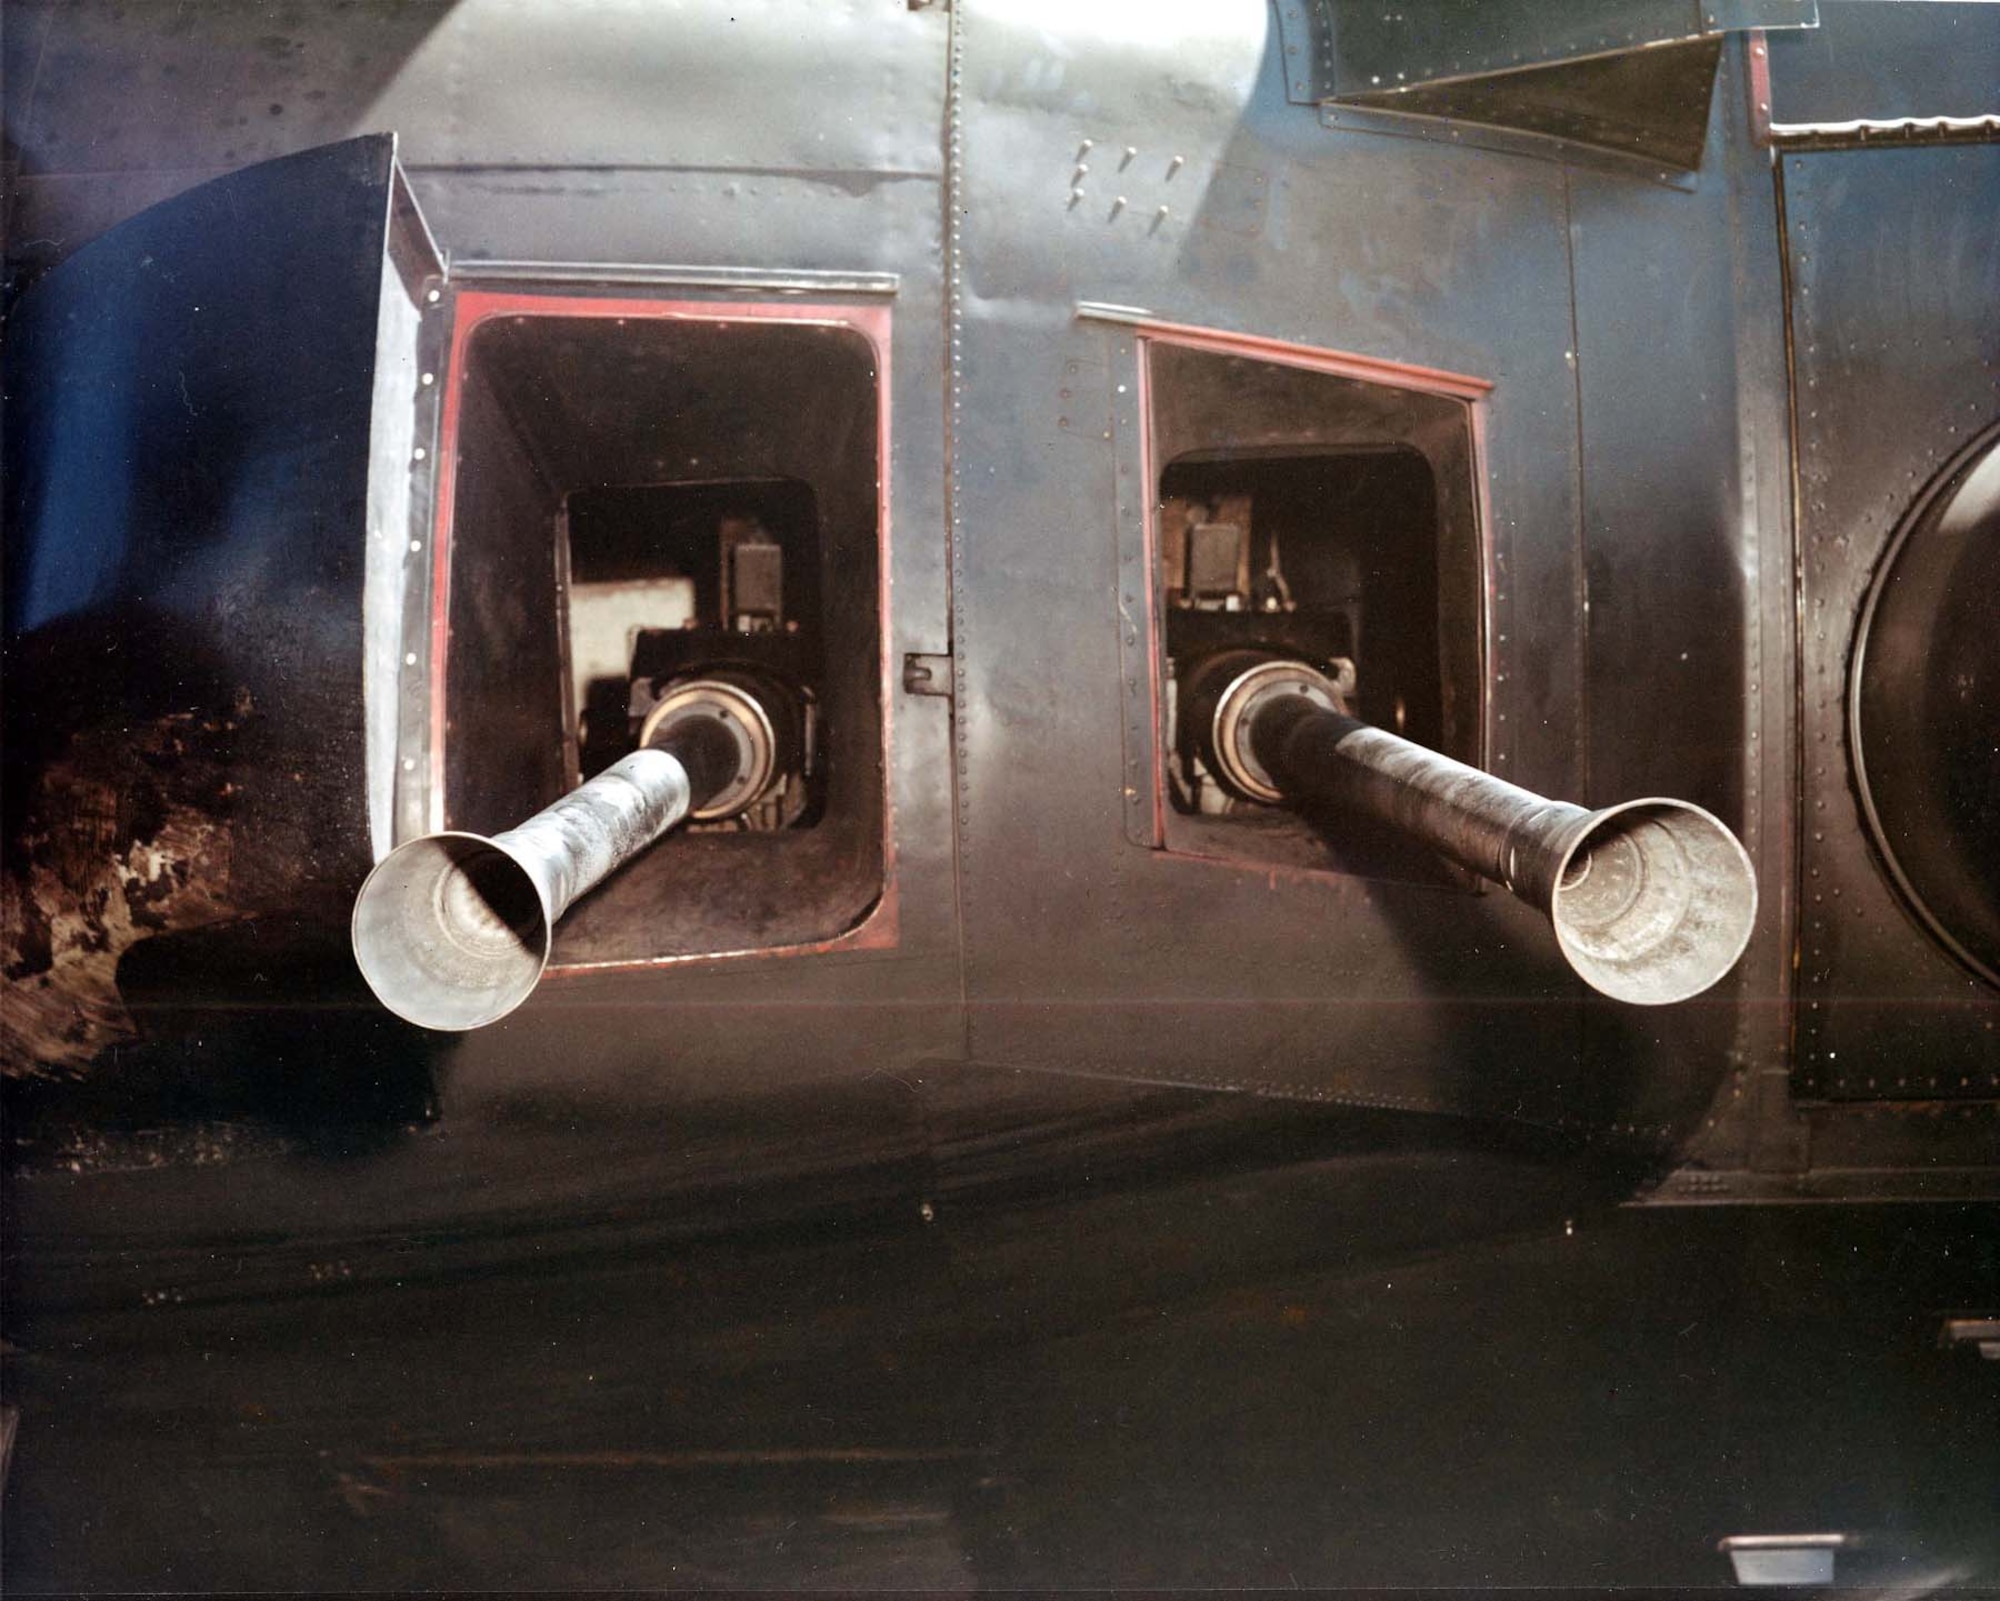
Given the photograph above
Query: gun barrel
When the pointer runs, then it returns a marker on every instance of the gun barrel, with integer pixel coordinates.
(1652, 901)
(452, 931)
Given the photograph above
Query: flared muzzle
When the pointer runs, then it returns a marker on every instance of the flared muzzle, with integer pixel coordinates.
(1652, 901)
(450, 931)
(453, 930)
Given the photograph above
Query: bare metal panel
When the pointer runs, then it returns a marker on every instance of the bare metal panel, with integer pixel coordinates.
(395, 582)
(487, 82)
(628, 221)
(524, 83)
(109, 89)
(109, 109)
(1878, 61)
(1895, 262)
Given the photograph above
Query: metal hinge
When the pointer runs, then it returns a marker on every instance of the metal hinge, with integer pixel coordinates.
(926, 675)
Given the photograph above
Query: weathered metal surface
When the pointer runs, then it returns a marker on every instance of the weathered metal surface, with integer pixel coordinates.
(631, 1313)
(189, 407)
(1612, 78)
(1419, 255)
(473, 85)
(1629, 77)
(1305, 35)
(1891, 384)
(1687, 587)
(1650, 104)
(1886, 74)
(1222, 198)
(182, 97)
(1434, 41)
(761, 223)
(123, 836)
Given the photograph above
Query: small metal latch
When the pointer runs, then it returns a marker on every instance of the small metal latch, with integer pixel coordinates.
(926, 675)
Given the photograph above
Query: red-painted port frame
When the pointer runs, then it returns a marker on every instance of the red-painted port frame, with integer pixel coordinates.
(472, 308)
(1473, 391)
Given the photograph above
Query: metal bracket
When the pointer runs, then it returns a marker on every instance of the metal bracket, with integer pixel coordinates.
(1305, 33)
(926, 675)
(1982, 1334)
(1784, 1559)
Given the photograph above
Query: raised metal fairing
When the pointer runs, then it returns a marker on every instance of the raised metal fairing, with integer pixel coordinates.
(190, 403)
(1442, 41)
(1924, 709)
(1632, 77)
(1652, 104)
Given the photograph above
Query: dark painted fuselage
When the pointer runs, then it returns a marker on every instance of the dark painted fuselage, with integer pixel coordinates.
(1010, 1171)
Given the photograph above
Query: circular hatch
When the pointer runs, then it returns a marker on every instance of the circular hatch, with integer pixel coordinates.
(1924, 708)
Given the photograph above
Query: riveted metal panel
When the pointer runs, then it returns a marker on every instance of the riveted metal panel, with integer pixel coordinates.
(511, 166)
(507, 82)
(205, 88)
(116, 108)
(523, 83)
(1648, 105)
(739, 1021)
(1895, 266)
(1590, 75)
(1305, 32)
(1680, 347)
(1377, 47)
(1175, 178)
(1884, 63)
(1733, 16)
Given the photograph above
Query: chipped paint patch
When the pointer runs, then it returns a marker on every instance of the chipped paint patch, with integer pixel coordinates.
(124, 836)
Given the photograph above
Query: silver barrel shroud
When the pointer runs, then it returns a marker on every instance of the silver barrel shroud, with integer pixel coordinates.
(1652, 901)
(452, 930)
